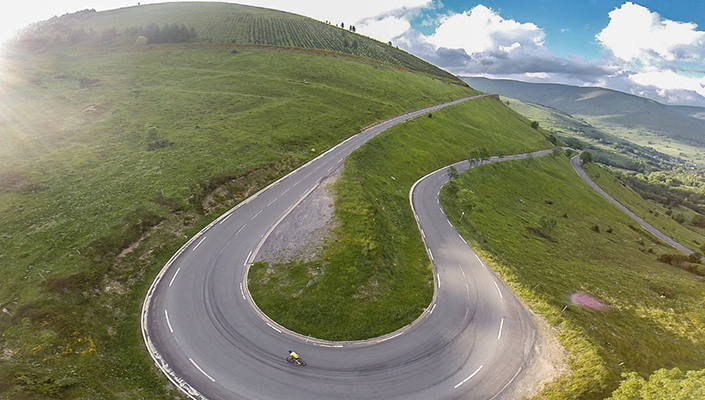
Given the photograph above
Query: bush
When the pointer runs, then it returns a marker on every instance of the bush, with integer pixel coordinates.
(159, 144)
(698, 220)
(672, 259)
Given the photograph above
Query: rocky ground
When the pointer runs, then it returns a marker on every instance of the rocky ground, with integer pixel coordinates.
(301, 235)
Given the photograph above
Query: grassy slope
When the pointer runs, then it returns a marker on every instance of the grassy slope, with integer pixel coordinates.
(240, 25)
(375, 276)
(651, 212)
(84, 184)
(656, 318)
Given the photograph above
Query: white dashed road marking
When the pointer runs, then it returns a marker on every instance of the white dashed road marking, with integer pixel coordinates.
(199, 243)
(174, 277)
(166, 314)
(468, 378)
(498, 291)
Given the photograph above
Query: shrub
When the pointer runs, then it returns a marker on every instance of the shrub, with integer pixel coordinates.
(698, 220)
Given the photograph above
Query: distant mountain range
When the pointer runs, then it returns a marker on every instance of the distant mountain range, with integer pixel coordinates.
(605, 106)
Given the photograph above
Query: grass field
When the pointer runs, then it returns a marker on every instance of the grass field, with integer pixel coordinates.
(225, 23)
(110, 160)
(374, 275)
(651, 212)
(550, 236)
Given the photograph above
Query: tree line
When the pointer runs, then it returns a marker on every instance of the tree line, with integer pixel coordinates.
(167, 33)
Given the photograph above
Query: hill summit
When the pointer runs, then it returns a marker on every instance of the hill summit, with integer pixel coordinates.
(222, 23)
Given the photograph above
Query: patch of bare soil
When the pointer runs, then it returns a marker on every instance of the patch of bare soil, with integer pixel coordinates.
(301, 235)
(548, 364)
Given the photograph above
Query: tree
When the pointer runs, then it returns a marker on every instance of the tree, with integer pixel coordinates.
(474, 156)
(452, 188)
(484, 154)
(671, 384)
(586, 158)
(452, 172)
(535, 124)
(466, 199)
(698, 220)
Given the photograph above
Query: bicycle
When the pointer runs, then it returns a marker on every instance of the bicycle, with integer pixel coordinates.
(298, 361)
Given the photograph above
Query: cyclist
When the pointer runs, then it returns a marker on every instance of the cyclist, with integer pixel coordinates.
(293, 355)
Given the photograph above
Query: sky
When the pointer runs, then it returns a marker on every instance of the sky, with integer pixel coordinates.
(651, 48)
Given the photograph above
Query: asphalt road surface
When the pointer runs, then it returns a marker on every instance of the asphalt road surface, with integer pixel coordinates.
(205, 333)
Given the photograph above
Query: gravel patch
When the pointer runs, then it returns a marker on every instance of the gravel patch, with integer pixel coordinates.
(302, 234)
(548, 364)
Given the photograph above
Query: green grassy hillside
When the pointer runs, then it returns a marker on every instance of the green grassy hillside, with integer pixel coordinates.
(221, 23)
(606, 148)
(551, 236)
(377, 276)
(672, 130)
(111, 156)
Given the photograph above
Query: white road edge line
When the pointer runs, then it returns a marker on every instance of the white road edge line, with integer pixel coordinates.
(438, 277)
(432, 308)
(166, 314)
(223, 220)
(389, 338)
(199, 243)
(451, 225)
(273, 327)
(241, 228)
(431, 254)
(199, 368)
(501, 325)
(242, 291)
(468, 378)
(248, 257)
(174, 277)
(478, 259)
(423, 234)
(498, 291)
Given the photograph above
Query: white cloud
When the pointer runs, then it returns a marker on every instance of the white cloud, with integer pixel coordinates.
(481, 29)
(669, 80)
(349, 12)
(657, 54)
(385, 29)
(634, 33)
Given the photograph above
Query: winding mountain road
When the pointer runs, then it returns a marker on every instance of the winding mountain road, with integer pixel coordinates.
(206, 334)
(575, 161)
